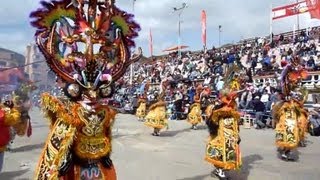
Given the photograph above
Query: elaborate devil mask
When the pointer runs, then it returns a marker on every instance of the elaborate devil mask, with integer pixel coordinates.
(86, 43)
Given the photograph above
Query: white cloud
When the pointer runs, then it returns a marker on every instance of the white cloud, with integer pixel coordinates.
(239, 18)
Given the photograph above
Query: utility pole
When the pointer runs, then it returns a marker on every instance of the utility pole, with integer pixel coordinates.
(180, 10)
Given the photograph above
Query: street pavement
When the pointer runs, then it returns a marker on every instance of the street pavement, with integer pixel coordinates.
(178, 154)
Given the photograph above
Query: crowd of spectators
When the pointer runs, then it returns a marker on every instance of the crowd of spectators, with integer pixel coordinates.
(208, 67)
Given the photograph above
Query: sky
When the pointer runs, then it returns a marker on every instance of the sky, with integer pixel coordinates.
(239, 19)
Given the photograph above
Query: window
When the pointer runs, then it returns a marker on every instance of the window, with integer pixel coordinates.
(3, 64)
(35, 66)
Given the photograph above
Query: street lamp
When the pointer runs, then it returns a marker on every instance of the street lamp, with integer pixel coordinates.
(219, 35)
(180, 10)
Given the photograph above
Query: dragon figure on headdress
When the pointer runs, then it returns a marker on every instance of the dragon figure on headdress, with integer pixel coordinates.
(86, 43)
(289, 115)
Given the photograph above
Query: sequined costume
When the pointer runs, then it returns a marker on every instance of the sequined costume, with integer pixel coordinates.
(289, 115)
(142, 103)
(195, 114)
(223, 149)
(23, 104)
(291, 119)
(9, 116)
(157, 116)
(141, 110)
(79, 141)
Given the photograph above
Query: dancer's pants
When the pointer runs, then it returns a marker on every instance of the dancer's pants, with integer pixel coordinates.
(1, 160)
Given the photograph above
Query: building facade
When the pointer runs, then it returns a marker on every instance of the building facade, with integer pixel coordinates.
(10, 59)
(36, 68)
(9, 74)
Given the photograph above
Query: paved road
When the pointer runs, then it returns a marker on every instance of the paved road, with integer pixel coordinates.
(177, 155)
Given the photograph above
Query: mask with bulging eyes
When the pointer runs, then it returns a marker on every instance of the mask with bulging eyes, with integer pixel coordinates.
(77, 93)
(87, 45)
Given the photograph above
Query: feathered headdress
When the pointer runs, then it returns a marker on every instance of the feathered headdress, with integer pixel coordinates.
(292, 74)
(233, 85)
(86, 43)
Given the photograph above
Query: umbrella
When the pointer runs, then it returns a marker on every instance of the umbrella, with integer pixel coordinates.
(175, 48)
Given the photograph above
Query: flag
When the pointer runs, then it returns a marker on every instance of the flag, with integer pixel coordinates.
(220, 28)
(314, 8)
(204, 27)
(289, 10)
(150, 43)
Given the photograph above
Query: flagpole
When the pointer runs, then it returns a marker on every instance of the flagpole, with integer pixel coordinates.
(151, 43)
(294, 32)
(298, 20)
(131, 66)
(271, 22)
(219, 28)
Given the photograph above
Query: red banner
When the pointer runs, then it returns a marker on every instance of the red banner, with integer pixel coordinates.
(289, 10)
(314, 8)
(204, 27)
(150, 43)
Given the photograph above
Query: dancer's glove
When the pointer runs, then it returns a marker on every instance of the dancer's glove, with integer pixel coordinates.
(239, 140)
(106, 162)
(8, 104)
(66, 165)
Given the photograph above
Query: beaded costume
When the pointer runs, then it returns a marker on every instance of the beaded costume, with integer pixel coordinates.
(86, 43)
(289, 115)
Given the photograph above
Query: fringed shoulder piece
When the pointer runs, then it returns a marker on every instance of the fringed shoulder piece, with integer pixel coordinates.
(12, 117)
(55, 109)
(280, 108)
(224, 113)
(141, 100)
(157, 104)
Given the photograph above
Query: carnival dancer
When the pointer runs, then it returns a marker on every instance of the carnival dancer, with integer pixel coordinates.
(142, 103)
(195, 114)
(222, 149)
(157, 116)
(9, 116)
(21, 99)
(79, 141)
(289, 114)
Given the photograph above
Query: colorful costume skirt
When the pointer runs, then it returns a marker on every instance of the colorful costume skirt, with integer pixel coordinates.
(156, 118)
(195, 115)
(92, 172)
(287, 134)
(223, 153)
(141, 110)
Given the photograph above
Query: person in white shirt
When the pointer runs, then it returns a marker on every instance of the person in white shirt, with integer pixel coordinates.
(265, 97)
